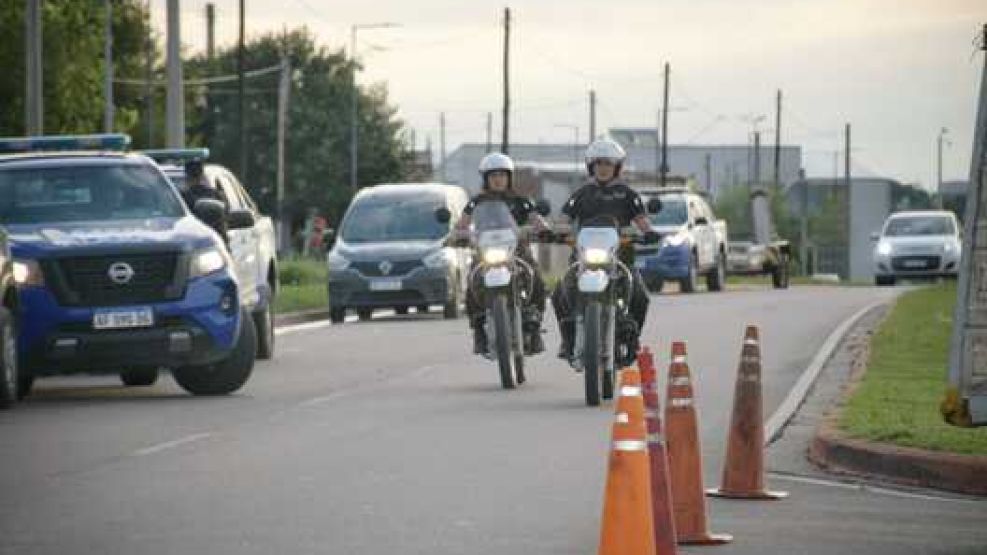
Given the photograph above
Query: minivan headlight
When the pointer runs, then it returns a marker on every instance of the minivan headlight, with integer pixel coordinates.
(207, 261)
(495, 255)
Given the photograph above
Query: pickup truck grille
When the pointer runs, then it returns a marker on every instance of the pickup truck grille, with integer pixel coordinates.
(86, 281)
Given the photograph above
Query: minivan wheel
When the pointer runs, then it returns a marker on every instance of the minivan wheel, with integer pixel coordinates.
(337, 315)
(140, 376)
(365, 314)
(227, 375)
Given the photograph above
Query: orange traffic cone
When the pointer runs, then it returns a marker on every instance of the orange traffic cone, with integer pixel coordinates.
(627, 523)
(661, 492)
(685, 462)
(743, 467)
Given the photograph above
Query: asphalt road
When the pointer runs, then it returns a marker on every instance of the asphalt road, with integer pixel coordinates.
(389, 437)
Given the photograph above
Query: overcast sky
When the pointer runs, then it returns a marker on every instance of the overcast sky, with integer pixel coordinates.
(897, 70)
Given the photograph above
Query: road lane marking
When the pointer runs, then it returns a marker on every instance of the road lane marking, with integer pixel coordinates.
(284, 330)
(863, 487)
(414, 374)
(170, 445)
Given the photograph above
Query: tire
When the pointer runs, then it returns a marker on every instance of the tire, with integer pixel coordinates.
(9, 375)
(227, 375)
(25, 382)
(401, 310)
(717, 277)
(518, 344)
(337, 315)
(608, 372)
(884, 281)
(139, 377)
(502, 342)
(591, 352)
(780, 274)
(365, 314)
(688, 284)
(421, 309)
(264, 324)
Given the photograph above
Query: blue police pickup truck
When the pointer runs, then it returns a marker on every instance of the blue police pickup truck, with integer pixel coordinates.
(115, 274)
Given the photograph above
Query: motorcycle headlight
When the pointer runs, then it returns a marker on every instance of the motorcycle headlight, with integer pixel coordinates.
(28, 272)
(438, 259)
(674, 240)
(495, 255)
(596, 256)
(884, 248)
(207, 261)
(336, 262)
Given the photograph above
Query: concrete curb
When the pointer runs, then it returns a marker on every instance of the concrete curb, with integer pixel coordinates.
(301, 317)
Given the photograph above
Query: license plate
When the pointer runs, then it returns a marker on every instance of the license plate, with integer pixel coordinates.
(385, 285)
(121, 319)
(915, 264)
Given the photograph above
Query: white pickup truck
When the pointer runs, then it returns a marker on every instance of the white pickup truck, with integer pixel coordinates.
(693, 242)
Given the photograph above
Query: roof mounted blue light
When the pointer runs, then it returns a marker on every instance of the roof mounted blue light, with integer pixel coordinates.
(177, 155)
(61, 143)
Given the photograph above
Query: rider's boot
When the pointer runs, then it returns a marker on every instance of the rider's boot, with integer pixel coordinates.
(480, 344)
(567, 332)
(532, 330)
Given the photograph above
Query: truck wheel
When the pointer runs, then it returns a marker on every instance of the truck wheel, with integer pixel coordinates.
(227, 375)
(264, 322)
(365, 314)
(9, 376)
(139, 377)
(716, 278)
(780, 274)
(337, 315)
(688, 283)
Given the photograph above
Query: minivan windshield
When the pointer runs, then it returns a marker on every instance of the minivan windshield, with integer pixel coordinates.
(85, 193)
(394, 218)
(673, 212)
(920, 225)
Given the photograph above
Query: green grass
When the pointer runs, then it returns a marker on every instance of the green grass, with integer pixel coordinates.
(898, 399)
(303, 285)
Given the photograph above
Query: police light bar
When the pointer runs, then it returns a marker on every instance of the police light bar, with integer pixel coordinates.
(56, 143)
(177, 155)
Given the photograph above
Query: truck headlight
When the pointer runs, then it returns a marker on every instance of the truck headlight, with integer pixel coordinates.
(596, 256)
(439, 259)
(884, 248)
(207, 261)
(336, 262)
(28, 273)
(495, 255)
(675, 240)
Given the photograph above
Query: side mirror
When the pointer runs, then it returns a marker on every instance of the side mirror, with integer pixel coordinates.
(702, 221)
(543, 207)
(654, 206)
(210, 211)
(240, 219)
(443, 215)
(875, 236)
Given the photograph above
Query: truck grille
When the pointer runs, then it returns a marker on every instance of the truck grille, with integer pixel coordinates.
(396, 268)
(86, 281)
(919, 263)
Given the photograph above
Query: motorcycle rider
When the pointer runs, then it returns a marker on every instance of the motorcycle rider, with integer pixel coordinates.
(497, 172)
(604, 196)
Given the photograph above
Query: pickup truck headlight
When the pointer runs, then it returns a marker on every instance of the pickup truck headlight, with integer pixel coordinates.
(884, 248)
(28, 273)
(207, 261)
(439, 259)
(596, 256)
(675, 240)
(336, 262)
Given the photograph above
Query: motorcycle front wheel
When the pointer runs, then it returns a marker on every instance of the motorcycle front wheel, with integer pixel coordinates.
(591, 351)
(502, 341)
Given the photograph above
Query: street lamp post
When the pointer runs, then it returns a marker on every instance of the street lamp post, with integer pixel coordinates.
(354, 97)
(939, 141)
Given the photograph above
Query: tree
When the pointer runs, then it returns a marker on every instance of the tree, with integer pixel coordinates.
(72, 40)
(317, 146)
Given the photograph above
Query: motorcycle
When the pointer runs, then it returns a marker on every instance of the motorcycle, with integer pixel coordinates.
(505, 281)
(605, 334)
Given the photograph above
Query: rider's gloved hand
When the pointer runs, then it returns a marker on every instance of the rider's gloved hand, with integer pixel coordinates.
(651, 237)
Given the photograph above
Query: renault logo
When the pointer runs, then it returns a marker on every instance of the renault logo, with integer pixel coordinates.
(120, 273)
(385, 267)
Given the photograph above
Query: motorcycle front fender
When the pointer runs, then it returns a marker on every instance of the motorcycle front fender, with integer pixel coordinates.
(495, 277)
(593, 281)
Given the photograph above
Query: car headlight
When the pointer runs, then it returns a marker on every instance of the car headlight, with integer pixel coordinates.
(207, 261)
(441, 258)
(674, 240)
(28, 272)
(884, 248)
(495, 255)
(336, 262)
(949, 248)
(596, 256)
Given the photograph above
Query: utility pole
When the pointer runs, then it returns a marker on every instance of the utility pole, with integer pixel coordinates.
(592, 116)
(708, 168)
(489, 131)
(148, 76)
(846, 201)
(284, 92)
(663, 170)
(777, 168)
(34, 101)
(211, 30)
(241, 90)
(108, 111)
(506, 124)
(442, 145)
(756, 182)
(939, 141)
(175, 103)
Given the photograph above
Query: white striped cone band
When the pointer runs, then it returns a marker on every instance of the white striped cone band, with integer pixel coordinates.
(681, 380)
(750, 377)
(681, 402)
(750, 359)
(633, 445)
(679, 359)
(750, 341)
(656, 438)
(630, 391)
(623, 418)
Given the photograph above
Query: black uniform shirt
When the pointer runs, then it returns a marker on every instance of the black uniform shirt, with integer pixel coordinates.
(615, 200)
(521, 207)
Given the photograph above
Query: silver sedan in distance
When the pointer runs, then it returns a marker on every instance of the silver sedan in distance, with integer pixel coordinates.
(917, 244)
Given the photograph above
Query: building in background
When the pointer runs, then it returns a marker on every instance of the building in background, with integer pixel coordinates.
(953, 194)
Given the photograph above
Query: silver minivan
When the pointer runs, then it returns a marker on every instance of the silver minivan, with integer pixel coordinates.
(390, 251)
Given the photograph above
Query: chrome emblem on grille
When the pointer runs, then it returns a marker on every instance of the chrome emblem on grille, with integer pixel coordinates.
(385, 267)
(120, 273)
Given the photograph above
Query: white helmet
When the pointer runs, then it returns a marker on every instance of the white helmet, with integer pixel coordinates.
(605, 149)
(496, 162)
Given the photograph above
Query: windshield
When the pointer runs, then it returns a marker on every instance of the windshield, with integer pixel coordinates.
(920, 225)
(85, 193)
(394, 218)
(492, 214)
(673, 212)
